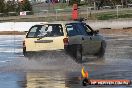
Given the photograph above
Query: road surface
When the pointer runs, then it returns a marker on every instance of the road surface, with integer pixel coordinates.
(57, 70)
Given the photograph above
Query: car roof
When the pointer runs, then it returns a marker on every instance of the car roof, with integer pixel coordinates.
(63, 22)
(42, 23)
(59, 22)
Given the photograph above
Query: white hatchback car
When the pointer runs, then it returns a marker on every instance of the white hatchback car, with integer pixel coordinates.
(76, 38)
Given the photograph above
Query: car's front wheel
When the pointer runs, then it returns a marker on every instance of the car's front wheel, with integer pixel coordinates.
(78, 53)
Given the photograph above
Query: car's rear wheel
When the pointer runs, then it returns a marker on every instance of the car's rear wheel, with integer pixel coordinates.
(102, 49)
(78, 53)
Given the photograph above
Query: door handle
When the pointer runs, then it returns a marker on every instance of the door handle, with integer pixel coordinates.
(43, 41)
(90, 38)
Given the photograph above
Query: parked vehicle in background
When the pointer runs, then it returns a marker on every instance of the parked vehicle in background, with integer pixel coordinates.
(75, 37)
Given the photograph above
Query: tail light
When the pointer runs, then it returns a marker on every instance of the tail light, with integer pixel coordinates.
(65, 40)
(24, 44)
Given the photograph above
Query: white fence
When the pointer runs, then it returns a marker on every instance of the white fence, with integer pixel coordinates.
(24, 26)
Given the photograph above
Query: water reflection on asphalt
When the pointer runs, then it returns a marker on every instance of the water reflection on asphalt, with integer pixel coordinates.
(57, 69)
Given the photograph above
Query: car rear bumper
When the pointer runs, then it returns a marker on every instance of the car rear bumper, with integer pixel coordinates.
(44, 52)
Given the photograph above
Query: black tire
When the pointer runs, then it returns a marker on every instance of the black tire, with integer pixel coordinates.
(78, 53)
(102, 49)
(24, 51)
(66, 48)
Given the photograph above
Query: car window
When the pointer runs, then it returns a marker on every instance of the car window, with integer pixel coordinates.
(78, 29)
(32, 31)
(75, 29)
(81, 29)
(88, 29)
(48, 30)
(71, 30)
(54, 30)
(41, 31)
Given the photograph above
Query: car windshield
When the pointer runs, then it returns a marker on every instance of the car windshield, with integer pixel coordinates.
(78, 29)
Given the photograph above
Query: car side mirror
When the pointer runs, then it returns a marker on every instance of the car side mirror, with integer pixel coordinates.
(96, 31)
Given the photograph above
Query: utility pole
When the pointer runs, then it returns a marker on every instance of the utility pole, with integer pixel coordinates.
(49, 4)
(126, 3)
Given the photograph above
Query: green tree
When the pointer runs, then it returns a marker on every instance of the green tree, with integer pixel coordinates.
(88, 2)
(71, 2)
(2, 6)
(11, 6)
(26, 6)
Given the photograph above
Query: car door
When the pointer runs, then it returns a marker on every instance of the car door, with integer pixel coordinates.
(51, 39)
(91, 44)
(85, 39)
(93, 39)
(78, 36)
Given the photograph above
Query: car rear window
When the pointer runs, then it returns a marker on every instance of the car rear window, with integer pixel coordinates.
(47, 30)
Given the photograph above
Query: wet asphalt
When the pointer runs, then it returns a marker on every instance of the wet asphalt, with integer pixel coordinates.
(59, 70)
